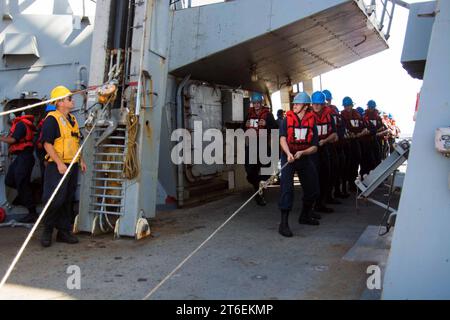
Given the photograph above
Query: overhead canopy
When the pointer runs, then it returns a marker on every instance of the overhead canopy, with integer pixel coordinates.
(315, 37)
(20, 44)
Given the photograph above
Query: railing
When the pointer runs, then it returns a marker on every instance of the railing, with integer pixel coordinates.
(184, 4)
(382, 13)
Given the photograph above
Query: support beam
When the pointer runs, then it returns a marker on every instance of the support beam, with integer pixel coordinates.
(308, 86)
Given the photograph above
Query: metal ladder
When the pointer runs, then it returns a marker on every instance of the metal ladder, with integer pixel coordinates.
(107, 186)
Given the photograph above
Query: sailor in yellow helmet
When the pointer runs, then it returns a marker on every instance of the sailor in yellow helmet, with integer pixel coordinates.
(61, 140)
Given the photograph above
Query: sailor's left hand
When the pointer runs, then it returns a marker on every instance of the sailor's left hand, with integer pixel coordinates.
(83, 166)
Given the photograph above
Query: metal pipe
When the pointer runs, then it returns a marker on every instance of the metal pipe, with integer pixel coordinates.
(121, 15)
(141, 63)
(383, 15)
(388, 33)
(180, 175)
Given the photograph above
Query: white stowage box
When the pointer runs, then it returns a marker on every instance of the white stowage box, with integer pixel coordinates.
(233, 106)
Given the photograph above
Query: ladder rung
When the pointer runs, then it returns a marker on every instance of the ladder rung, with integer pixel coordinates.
(108, 171)
(106, 196)
(107, 179)
(107, 212)
(116, 137)
(108, 162)
(111, 146)
(109, 154)
(106, 188)
(107, 205)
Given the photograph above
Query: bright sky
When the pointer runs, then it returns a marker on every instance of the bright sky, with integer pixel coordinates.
(380, 77)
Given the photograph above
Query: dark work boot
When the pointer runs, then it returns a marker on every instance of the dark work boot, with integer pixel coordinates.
(46, 237)
(284, 229)
(341, 195)
(331, 200)
(320, 207)
(31, 217)
(316, 216)
(66, 237)
(345, 194)
(306, 217)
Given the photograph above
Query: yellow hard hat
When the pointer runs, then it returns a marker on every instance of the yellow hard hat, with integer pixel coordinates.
(59, 92)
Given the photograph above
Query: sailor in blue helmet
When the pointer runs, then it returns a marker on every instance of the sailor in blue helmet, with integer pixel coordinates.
(360, 111)
(298, 141)
(259, 117)
(354, 129)
(337, 153)
(370, 144)
(327, 136)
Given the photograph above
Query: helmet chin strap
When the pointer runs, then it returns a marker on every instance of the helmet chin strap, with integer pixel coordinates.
(305, 106)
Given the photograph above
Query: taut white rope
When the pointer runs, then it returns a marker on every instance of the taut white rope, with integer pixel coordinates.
(27, 240)
(266, 184)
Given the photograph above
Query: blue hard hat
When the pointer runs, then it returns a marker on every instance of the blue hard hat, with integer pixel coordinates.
(318, 98)
(347, 102)
(360, 111)
(390, 116)
(257, 97)
(328, 94)
(50, 108)
(302, 97)
(372, 104)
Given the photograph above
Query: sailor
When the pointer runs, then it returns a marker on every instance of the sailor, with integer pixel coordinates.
(40, 151)
(61, 139)
(298, 140)
(21, 146)
(370, 144)
(354, 128)
(394, 132)
(259, 117)
(280, 117)
(337, 153)
(327, 136)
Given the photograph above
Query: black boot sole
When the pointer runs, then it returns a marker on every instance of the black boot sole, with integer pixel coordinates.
(46, 243)
(286, 234)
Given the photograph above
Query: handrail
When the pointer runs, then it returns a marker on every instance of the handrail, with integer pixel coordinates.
(380, 8)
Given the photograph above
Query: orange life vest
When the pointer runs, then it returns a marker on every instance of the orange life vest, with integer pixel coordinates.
(26, 141)
(323, 122)
(300, 132)
(353, 121)
(255, 118)
(372, 119)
